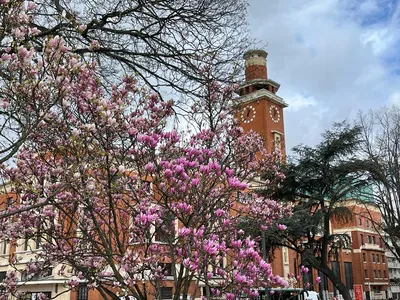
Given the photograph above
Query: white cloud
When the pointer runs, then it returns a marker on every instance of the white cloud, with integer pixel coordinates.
(379, 39)
(335, 52)
(370, 74)
(369, 7)
(394, 98)
(383, 35)
(299, 102)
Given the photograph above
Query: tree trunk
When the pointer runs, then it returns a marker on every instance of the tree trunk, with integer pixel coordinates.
(342, 288)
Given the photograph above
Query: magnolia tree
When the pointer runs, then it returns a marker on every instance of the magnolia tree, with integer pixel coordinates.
(25, 93)
(162, 42)
(114, 192)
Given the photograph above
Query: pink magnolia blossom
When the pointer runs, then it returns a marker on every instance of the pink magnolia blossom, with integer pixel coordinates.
(195, 181)
(281, 227)
(94, 45)
(83, 179)
(31, 5)
(304, 270)
(82, 28)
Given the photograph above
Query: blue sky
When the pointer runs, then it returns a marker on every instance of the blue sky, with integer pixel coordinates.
(331, 57)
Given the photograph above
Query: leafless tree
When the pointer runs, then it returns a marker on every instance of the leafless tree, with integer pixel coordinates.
(165, 42)
(21, 105)
(381, 145)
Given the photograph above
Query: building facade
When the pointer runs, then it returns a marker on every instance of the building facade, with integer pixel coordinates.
(394, 274)
(364, 262)
(50, 282)
(262, 110)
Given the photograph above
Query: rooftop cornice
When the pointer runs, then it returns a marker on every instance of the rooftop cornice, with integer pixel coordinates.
(263, 93)
(258, 52)
(260, 81)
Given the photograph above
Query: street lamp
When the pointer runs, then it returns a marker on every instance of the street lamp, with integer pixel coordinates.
(264, 255)
(369, 289)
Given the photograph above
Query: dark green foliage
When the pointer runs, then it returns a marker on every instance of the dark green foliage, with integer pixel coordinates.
(318, 181)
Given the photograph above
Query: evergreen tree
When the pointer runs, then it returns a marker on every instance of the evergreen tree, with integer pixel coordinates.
(318, 182)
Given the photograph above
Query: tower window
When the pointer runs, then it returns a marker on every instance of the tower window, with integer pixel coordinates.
(277, 140)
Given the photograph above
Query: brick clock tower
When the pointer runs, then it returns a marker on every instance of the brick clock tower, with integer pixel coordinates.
(261, 109)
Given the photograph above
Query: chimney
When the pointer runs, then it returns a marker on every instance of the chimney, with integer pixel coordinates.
(255, 64)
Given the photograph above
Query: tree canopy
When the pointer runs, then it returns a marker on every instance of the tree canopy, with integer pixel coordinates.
(381, 146)
(109, 193)
(318, 181)
(165, 44)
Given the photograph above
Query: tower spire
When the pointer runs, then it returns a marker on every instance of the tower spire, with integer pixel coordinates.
(255, 64)
(256, 72)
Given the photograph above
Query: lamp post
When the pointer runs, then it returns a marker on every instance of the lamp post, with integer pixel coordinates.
(369, 289)
(264, 255)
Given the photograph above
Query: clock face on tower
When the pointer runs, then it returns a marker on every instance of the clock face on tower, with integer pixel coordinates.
(274, 113)
(248, 114)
